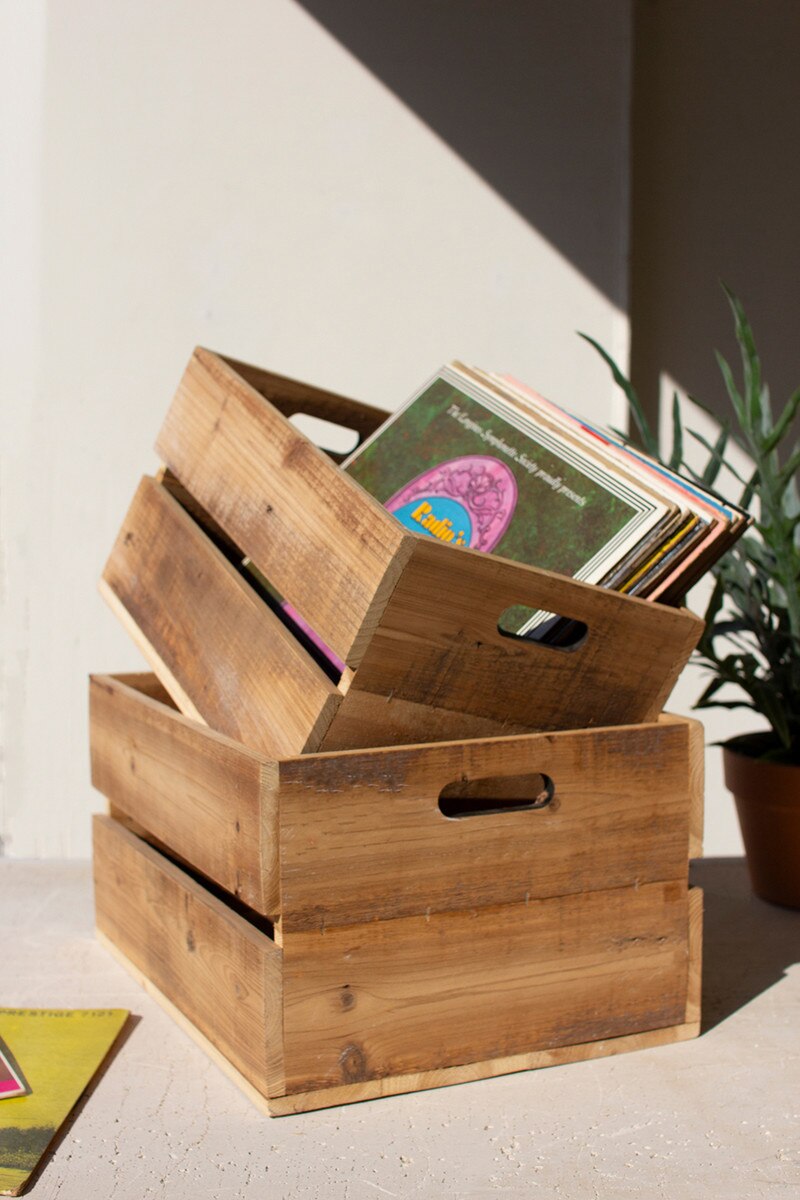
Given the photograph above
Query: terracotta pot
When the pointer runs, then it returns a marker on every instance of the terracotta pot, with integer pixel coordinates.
(767, 798)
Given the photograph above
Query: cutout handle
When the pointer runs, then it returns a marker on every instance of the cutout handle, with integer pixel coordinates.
(493, 794)
(552, 630)
(335, 439)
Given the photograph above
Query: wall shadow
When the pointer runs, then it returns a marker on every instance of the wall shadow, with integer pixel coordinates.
(715, 191)
(534, 97)
(747, 943)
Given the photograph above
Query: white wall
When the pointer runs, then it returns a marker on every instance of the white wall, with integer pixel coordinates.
(715, 195)
(185, 172)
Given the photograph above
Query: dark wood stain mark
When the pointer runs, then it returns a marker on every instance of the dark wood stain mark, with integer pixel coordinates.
(353, 1064)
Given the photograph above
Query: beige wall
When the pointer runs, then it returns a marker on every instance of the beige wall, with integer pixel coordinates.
(339, 204)
(186, 172)
(715, 195)
(715, 188)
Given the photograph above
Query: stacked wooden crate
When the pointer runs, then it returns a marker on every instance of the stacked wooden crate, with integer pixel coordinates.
(462, 854)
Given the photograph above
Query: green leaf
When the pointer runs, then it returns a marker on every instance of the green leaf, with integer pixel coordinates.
(733, 394)
(758, 553)
(724, 628)
(726, 704)
(717, 458)
(709, 692)
(649, 441)
(770, 705)
(791, 500)
(758, 402)
(783, 423)
(676, 457)
(750, 488)
(752, 637)
(715, 602)
(787, 472)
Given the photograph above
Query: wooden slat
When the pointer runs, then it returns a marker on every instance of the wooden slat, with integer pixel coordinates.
(393, 997)
(365, 719)
(697, 762)
(220, 971)
(509, 976)
(396, 1085)
(363, 838)
(147, 684)
(694, 990)
(291, 396)
(325, 544)
(361, 835)
(196, 511)
(205, 796)
(438, 644)
(217, 648)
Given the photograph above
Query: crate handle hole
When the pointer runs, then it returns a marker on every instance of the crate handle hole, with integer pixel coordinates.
(555, 632)
(494, 794)
(327, 435)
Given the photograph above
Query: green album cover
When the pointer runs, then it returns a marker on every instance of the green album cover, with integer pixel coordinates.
(460, 464)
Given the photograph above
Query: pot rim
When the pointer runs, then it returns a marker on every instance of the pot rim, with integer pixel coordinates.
(753, 746)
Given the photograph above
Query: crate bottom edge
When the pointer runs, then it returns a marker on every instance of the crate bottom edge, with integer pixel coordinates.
(395, 1085)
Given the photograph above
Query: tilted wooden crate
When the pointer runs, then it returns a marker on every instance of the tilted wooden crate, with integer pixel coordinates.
(336, 931)
(415, 621)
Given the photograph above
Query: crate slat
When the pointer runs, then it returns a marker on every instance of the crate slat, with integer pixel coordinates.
(224, 974)
(313, 532)
(370, 1010)
(438, 643)
(216, 646)
(362, 836)
(331, 839)
(422, 993)
(207, 796)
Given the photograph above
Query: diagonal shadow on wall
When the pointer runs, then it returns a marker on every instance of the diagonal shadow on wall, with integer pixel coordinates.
(534, 97)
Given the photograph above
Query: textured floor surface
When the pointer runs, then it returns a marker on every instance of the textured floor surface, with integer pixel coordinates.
(715, 1117)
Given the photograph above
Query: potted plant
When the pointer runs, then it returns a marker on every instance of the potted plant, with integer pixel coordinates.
(751, 644)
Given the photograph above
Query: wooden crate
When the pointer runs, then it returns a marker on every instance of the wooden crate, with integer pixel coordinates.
(414, 621)
(334, 935)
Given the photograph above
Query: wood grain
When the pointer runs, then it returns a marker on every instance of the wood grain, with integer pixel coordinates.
(395, 1085)
(147, 684)
(423, 993)
(208, 798)
(697, 765)
(362, 836)
(326, 545)
(219, 650)
(291, 396)
(438, 644)
(481, 993)
(371, 719)
(332, 839)
(417, 619)
(694, 990)
(220, 971)
(697, 770)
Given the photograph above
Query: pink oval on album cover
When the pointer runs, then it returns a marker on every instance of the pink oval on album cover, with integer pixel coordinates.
(481, 484)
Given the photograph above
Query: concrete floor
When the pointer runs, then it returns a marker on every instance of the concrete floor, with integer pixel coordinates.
(715, 1117)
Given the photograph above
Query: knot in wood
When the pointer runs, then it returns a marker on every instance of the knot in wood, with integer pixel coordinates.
(353, 1064)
